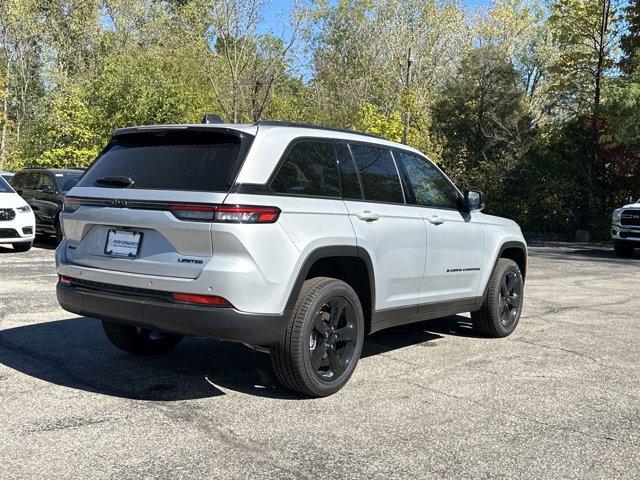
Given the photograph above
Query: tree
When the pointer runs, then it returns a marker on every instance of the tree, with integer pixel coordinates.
(587, 32)
(630, 41)
(483, 121)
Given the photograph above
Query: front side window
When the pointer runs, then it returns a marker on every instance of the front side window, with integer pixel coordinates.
(378, 173)
(46, 183)
(431, 188)
(310, 168)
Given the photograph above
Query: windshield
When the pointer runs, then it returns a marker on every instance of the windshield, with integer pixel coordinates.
(168, 160)
(4, 186)
(67, 180)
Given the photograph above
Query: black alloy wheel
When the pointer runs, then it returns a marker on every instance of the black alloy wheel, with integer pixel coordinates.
(332, 341)
(510, 298)
(502, 306)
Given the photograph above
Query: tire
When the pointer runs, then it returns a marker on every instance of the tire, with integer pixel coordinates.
(22, 246)
(500, 313)
(138, 340)
(624, 251)
(321, 347)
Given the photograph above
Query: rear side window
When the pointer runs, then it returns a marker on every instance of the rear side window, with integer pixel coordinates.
(26, 180)
(169, 160)
(348, 173)
(378, 173)
(431, 188)
(310, 168)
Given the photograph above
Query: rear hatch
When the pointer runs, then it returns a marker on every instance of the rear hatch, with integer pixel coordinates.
(121, 215)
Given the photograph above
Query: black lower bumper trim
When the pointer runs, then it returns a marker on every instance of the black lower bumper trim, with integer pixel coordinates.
(627, 243)
(211, 322)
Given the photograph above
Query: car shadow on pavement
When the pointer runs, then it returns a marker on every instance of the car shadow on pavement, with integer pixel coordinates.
(75, 353)
(47, 243)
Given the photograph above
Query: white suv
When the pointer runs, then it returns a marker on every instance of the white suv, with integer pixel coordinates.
(17, 222)
(296, 237)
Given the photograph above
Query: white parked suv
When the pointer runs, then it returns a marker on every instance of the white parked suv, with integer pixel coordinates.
(17, 222)
(296, 237)
(625, 229)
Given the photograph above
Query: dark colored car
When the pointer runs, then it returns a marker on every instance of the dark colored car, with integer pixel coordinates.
(44, 190)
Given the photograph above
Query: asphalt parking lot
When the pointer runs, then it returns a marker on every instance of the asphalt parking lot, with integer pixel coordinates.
(560, 398)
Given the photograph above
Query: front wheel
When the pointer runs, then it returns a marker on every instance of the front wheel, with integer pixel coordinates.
(139, 340)
(321, 347)
(22, 246)
(500, 312)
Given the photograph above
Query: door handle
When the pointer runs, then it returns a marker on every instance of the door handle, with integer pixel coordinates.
(436, 220)
(368, 216)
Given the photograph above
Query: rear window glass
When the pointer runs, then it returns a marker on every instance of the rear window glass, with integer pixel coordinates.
(378, 173)
(4, 186)
(200, 161)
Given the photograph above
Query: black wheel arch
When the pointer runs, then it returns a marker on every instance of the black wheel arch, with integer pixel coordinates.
(319, 263)
(513, 250)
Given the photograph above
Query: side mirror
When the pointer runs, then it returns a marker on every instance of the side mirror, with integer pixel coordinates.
(46, 189)
(473, 200)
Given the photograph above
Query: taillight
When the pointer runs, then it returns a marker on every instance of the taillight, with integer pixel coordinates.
(64, 280)
(213, 300)
(244, 214)
(194, 213)
(70, 205)
(225, 214)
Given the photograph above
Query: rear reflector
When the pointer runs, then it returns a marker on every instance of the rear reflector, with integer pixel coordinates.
(201, 299)
(63, 279)
(70, 204)
(225, 214)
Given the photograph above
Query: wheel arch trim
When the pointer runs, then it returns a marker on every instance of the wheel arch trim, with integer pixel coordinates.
(327, 252)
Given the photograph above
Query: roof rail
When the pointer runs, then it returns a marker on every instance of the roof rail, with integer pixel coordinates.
(278, 123)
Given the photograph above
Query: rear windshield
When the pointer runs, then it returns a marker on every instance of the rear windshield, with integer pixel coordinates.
(169, 160)
(67, 180)
(4, 186)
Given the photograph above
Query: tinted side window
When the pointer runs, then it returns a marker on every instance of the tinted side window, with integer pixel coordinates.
(348, 173)
(309, 168)
(46, 181)
(26, 180)
(431, 188)
(378, 174)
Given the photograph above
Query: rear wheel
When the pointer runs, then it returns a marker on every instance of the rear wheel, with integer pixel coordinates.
(502, 306)
(624, 251)
(138, 340)
(321, 347)
(22, 246)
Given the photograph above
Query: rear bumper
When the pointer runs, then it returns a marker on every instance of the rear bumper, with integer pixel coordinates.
(210, 322)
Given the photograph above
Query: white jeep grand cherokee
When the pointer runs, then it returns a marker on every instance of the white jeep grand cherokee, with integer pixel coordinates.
(296, 237)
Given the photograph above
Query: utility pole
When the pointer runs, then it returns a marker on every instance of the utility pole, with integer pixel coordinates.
(407, 83)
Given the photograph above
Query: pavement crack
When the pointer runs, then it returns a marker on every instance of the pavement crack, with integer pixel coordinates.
(579, 354)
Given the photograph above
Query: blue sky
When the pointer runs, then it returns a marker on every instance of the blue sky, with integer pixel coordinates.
(277, 9)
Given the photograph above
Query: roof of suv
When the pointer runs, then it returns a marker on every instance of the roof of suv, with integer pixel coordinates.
(52, 170)
(269, 145)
